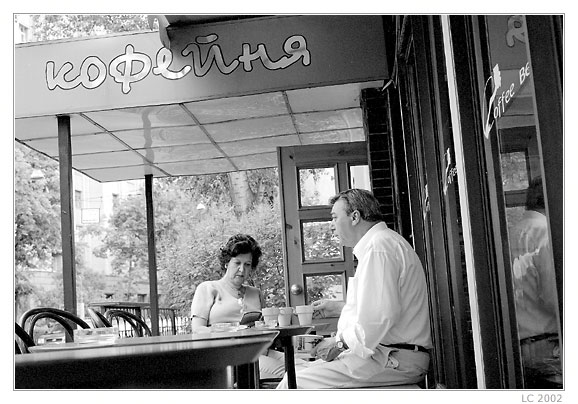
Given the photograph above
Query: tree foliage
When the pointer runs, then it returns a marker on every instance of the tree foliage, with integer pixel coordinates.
(59, 26)
(194, 257)
(36, 209)
(125, 241)
(188, 239)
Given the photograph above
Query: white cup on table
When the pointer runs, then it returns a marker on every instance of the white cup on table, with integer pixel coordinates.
(270, 315)
(305, 314)
(285, 314)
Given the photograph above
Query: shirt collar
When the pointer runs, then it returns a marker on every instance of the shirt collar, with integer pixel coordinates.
(362, 244)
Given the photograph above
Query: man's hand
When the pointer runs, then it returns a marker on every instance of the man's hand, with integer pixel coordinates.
(327, 308)
(326, 349)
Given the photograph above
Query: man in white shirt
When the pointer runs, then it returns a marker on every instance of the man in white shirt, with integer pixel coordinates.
(383, 332)
(535, 291)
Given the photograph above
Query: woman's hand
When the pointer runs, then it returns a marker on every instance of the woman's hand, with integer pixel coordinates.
(327, 308)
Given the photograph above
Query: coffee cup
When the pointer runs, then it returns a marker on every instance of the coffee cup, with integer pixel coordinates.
(305, 314)
(284, 317)
(270, 314)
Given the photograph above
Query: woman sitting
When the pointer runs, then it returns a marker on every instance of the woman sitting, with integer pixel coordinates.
(225, 300)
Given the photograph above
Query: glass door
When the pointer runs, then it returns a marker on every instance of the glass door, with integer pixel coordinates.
(317, 266)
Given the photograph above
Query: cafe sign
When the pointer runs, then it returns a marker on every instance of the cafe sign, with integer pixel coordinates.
(510, 80)
(502, 95)
(132, 67)
(204, 61)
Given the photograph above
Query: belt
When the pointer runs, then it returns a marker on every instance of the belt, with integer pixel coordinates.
(536, 338)
(410, 347)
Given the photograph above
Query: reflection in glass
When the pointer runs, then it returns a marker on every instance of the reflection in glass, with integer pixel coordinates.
(360, 177)
(319, 242)
(514, 171)
(535, 290)
(328, 287)
(316, 186)
(533, 277)
(514, 215)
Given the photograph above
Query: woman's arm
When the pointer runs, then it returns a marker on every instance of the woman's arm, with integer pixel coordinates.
(198, 323)
(203, 300)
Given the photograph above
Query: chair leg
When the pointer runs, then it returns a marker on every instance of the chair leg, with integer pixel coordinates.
(424, 384)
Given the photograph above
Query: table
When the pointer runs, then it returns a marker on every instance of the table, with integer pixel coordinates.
(285, 339)
(159, 362)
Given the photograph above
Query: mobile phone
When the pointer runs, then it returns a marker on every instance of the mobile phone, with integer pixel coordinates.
(250, 317)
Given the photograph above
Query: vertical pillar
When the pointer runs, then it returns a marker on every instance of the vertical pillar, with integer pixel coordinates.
(67, 213)
(381, 164)
(152, 252)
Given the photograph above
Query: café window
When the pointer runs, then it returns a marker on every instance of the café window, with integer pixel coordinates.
(319, 242)
(316, 186)
(326, 286)
(359, 177)
(510, 110)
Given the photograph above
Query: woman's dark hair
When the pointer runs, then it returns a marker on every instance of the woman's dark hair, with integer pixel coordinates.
(237, 245)
(361, 200)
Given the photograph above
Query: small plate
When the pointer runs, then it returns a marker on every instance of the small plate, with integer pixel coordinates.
(222, 327)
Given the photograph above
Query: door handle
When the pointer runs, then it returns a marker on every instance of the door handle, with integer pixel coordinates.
(296, 289)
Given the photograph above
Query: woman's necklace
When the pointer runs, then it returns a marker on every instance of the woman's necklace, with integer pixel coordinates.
(238, 293)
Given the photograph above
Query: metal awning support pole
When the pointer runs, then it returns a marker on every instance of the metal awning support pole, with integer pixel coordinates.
(154, 296)
(67, 213)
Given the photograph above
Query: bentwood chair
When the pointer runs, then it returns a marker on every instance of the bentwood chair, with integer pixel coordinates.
(98, 319)
(22, 340)
(137, 324)
(29, 320)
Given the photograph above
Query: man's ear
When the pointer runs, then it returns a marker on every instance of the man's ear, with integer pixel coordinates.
(355, 217)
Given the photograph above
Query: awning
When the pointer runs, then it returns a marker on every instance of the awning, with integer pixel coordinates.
(139, 108)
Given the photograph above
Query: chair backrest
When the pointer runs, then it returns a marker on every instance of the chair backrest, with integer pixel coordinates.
(23, 341)
(64, 318)
(137, 324)
(98, 319)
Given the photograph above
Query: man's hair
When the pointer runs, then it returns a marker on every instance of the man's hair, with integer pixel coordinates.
(237, 245)
(535, 195)
(362, 201)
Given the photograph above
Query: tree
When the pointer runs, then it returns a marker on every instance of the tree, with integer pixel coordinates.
(188, 239)
(242, 195)
(125, 240)
(193, 258)
(36, 209)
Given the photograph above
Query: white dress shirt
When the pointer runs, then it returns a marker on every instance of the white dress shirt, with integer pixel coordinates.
(534, 278)
(387, 298)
